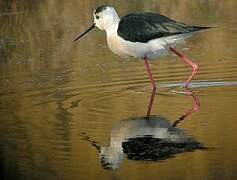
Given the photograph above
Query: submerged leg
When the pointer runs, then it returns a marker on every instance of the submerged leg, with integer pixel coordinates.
(153, 87)
(189, 62)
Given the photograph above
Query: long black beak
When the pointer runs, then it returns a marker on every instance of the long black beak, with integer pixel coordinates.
(90, 28)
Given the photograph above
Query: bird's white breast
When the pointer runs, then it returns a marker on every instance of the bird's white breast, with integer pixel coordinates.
(117, 45)
(123, 48)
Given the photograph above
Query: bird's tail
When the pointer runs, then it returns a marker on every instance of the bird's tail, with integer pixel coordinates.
(198, 28)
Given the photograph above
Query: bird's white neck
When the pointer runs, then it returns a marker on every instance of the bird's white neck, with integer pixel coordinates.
(112, 30)
(112, 25)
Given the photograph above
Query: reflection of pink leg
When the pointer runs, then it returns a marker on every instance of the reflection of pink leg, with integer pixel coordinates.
(189, 62)
(153, 87)
(196, 107)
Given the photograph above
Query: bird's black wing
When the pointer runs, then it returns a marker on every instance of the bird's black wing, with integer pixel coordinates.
(142, 27)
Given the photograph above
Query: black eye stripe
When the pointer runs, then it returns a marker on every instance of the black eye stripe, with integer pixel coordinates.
(97, 17)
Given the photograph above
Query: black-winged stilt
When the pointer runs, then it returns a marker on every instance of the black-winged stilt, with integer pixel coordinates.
(145, 36)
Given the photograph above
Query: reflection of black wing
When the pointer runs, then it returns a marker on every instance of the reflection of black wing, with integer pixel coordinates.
(142, 27)
(154, 149)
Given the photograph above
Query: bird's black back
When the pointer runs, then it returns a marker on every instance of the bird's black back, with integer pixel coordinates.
(142, 27)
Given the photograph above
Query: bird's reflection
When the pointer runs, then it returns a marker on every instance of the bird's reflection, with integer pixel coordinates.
(151, 138)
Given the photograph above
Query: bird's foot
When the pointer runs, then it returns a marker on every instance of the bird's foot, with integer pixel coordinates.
(186, 91)
(186, 85)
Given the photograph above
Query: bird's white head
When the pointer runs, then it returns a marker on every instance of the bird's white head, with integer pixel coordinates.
(105, 16)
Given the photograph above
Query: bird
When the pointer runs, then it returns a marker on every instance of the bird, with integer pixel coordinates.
(144, 35)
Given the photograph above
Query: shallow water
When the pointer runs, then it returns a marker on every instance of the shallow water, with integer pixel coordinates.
(63, 105)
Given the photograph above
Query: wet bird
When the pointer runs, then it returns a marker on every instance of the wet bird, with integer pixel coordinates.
(144, 35)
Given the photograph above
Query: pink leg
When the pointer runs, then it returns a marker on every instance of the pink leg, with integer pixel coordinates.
(153, 87)
(189, 62)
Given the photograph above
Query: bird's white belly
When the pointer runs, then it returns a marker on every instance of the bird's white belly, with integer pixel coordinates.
(151, 50)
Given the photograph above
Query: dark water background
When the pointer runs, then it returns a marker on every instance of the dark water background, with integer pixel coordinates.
(62, 104)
